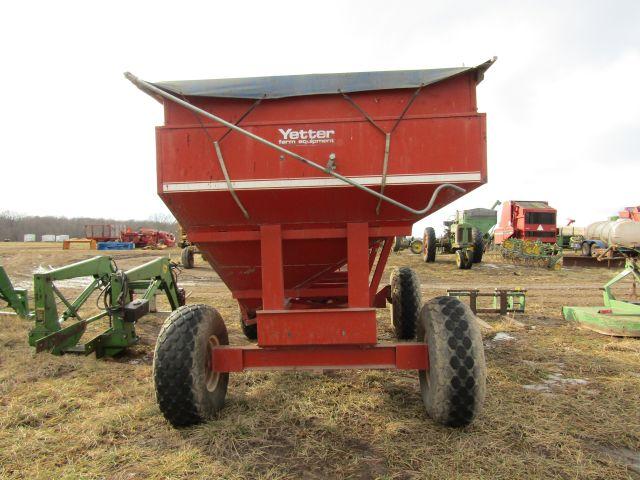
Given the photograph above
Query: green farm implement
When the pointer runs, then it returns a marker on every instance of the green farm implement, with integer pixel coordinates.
(117, 300)
(505, 300)
(413, 244)
(482, 219)
(616, 317)
(531, 253)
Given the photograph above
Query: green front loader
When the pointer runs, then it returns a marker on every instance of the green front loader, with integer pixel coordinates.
(123, 298)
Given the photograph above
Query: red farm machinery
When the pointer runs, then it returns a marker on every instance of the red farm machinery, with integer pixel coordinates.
(526, 220)
(293, 188)
(148, 238)
(527, 233)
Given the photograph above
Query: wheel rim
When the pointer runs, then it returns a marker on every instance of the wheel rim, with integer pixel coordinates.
(394, 313)
(211, 377)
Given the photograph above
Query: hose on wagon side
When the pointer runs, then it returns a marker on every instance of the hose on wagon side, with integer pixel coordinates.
(155, 91)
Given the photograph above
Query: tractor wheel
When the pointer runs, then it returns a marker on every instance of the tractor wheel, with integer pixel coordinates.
(453, 388)
(250, 331)
(478, 246)
(586, 249)
(464, 259)
(416, 247)
(187, 257)
(397, 244)
(469, 260)
(405, 302)
(188, 391)
(429, 245)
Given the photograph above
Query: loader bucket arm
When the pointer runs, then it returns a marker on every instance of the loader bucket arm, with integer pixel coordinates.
(157, 275)
(53, 333)
(15, 297)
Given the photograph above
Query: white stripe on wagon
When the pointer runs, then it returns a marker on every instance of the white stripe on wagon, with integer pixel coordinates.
(320, 182)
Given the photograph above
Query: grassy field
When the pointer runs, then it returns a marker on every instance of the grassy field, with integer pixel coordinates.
(561, 402)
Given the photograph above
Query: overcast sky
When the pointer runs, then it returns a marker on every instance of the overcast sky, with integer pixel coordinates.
(562, 102)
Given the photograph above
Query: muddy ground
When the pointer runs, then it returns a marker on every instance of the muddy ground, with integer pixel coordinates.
(561, 402)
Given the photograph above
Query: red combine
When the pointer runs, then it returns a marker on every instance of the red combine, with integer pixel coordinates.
(148, 237)
(294, 188)
(526, 220)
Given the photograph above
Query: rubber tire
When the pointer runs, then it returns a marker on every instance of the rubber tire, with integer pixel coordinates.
(478, 246)
(416, 247)
(469, 261)
(250, 331)
(454, 387)
(180, 366)
(406, 300)
(186, 258)
(586, 249)
(429, 245)
(464, 261)
(397, 244)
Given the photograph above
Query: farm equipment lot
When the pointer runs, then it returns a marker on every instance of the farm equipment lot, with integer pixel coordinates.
(560, 401)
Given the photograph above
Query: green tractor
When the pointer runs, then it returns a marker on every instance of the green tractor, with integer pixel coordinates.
(412, 243)
(465, 235)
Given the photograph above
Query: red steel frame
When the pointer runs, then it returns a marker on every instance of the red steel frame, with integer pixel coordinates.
(299, 337)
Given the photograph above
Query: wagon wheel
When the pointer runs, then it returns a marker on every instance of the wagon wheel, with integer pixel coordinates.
(186, 257)
(406, 299)
(429, 245)
(250, 331)
(416, 247)
(188, 391)
(453, 389)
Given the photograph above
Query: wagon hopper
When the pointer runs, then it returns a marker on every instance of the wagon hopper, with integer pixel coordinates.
(293, 188)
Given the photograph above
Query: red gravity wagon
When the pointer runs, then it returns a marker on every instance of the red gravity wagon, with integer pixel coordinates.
(293, 188)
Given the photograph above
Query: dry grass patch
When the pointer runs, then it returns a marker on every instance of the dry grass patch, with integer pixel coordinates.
(77, 417)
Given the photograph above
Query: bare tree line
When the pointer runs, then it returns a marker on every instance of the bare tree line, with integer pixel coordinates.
(14, 226)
